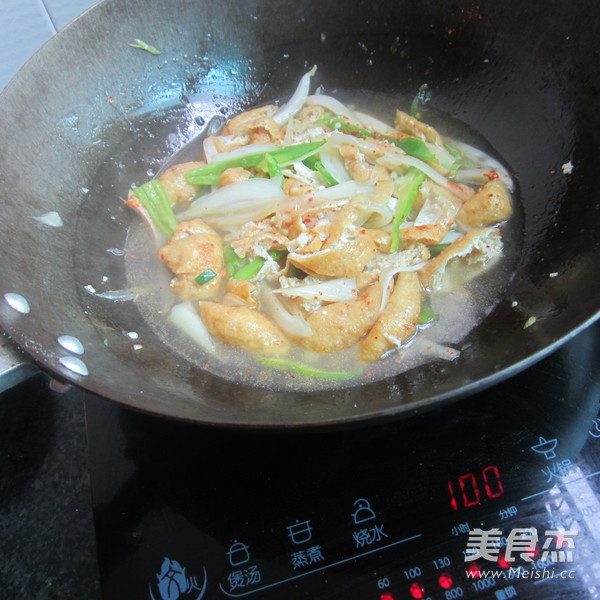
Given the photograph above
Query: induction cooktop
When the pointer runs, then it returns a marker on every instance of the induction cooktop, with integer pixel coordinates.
(494, 496)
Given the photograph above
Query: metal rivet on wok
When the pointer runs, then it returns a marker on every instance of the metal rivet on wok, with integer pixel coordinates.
(71, 344)
(74, 364)
(17, 302)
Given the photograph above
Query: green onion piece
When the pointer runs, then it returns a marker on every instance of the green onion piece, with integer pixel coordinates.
(233, 262)
(143, 46)
(155, 200)
(300, 369)
(205, 277)
(273, 168)
(427, 315)
(415, 147)
(250, 270)
(312, 162)
(437, 248)
(406, 194)
(282, 157)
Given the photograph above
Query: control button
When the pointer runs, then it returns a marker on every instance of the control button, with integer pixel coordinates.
(595, 429)
(546, 447)
(364, 512)
(238, 554)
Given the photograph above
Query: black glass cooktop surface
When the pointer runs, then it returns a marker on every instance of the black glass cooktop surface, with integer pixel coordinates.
(495, 496)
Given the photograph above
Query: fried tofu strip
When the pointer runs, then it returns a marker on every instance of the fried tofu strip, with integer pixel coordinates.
(479, 247)
(245, 328)
(194, 248)
(398, 321)
(346, 251)
(488, 206)
(257, 123)
(173, 180)
(341, 324)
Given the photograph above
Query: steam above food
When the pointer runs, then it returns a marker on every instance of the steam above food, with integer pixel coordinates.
(315, 238)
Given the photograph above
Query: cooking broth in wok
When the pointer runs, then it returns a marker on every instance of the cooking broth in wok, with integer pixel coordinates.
(344, 172)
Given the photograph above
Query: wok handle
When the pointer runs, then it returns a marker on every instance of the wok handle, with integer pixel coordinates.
(14, 365)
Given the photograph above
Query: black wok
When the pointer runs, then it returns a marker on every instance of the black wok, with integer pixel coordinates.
(89, 115)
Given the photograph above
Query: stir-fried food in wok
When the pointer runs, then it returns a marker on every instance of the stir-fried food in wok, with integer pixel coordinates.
(312, 230)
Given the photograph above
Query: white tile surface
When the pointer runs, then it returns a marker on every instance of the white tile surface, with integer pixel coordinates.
(26, 24)
(24, 27)
(62, 12)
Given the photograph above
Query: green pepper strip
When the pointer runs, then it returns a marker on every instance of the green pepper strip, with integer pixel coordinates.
(233, 262)
(338, 123)
(427, 316)
(282, 156)
(252, 268)
(415, 147)
(312, 162)
(437, 248)
(205, 277)
(300, 369)
(155, 200)
(273, 168)
(411, 145)
(410, 190)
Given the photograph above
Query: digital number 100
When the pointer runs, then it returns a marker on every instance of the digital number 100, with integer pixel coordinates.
(467, 489)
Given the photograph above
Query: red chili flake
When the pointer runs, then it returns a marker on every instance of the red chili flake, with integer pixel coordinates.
(491, 175)
(315, 297)
(354, 291)
(363, 231)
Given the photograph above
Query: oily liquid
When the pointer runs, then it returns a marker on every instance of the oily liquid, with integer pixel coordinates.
(459, 310)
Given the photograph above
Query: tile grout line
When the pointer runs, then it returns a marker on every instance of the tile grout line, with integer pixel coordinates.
(48, 15)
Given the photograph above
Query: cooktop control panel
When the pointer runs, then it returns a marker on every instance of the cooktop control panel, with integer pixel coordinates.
(497, 496)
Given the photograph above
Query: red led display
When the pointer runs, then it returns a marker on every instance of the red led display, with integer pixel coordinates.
(386, 596)
(466, 491)
(445, 581)
(474, 571)
(417, 591)
(502, 562)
